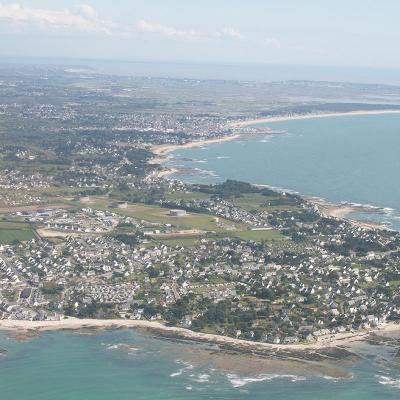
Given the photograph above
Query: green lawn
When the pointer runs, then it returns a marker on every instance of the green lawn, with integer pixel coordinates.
(159, 215)
(187, 196)
(179, 241)
(256, 201)
(10, 231)
(258, 236)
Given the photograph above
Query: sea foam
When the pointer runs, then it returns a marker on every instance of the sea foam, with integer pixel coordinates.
(238, 381)
(386, 380)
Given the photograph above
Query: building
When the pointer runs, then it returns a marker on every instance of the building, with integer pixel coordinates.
(177, 213)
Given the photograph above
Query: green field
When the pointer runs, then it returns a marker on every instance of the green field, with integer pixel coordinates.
(11, 231)
(256, 201)
(158, 215)
(258, 236)
(179, 241)
(187, 196)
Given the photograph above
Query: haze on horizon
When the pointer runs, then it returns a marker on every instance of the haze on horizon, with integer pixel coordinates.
(346, 33)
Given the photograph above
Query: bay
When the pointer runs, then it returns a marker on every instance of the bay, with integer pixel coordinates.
(340, 159)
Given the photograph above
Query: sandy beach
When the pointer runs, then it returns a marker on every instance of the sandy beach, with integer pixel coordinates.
(341, 211)
(246, 123)
(328, 341)
(165, 172)
(163, 149)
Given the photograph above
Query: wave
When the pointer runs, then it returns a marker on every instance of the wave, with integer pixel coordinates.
(386, 380)
(187, 367)
(336, 379)
(201, 378)
(177, 373)
(205, 172)
(118, 346)
(238, 381)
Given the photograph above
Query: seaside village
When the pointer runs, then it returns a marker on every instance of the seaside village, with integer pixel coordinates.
(230, 259)
(91, 227)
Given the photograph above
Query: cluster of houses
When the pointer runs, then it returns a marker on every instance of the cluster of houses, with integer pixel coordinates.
(17, 188)
(303, 291)
(86, 220)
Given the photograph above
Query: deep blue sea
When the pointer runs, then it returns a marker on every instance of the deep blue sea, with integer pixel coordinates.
(341, 159)
(127, 365)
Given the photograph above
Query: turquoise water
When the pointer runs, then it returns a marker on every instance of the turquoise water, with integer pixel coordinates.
(352, 158)
(119, 365)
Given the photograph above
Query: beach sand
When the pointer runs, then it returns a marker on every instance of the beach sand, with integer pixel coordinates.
(246, 123)
(341, 211)
(328, 341)
(163, 149)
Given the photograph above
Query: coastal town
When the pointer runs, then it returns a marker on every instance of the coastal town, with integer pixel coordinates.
(92, 226)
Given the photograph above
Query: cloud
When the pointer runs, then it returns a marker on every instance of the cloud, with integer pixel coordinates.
(229, 33)
(170, 31)
(86, 11)
(82, 18)
(153, 27)
(163, 30)
(272, 42)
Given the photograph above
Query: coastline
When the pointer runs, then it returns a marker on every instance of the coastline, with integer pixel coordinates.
(338, 340)
(162, 150)
(161, 153)
(255, 121)
(339, 211)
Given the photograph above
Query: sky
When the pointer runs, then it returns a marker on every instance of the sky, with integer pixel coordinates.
(362, 33)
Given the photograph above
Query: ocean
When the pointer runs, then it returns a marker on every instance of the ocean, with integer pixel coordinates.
(340, 159)
(126, 364)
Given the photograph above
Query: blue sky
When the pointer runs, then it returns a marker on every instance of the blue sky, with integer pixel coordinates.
(311, 32)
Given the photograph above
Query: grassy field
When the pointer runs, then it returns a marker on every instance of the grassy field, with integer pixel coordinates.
(256, 201)
(158, 215)
(187, 196)
(258, 236)
(178, 241)
(11, 231)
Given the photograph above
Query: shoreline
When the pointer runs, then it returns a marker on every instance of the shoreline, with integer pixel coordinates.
(161, 150)
(161, 153)
(338, 340)
(341, 211)
(281, 118)
(327, 208)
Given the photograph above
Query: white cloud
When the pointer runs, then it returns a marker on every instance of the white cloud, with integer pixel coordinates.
(163, 30)
(86, 11)
(272, 42)
(83, 18)
(229, 33)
